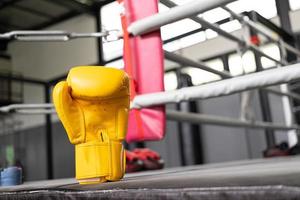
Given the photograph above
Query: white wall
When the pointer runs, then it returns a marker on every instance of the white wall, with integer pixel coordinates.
(5, 64)
(46, 60)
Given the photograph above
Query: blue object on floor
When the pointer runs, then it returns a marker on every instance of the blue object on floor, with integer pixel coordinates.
(11, 176)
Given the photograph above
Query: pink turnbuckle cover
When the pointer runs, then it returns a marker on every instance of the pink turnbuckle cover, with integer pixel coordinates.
(143, 59)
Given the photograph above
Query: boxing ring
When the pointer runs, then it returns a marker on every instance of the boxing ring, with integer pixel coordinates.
(238, 180)
(257, 179)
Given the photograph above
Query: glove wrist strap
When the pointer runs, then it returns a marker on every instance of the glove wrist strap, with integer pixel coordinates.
(99, 161)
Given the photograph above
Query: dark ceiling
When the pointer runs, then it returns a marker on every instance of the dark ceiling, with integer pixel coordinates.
(38, 14)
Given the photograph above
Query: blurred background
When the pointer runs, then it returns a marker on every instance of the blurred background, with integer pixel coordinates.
(28, 71)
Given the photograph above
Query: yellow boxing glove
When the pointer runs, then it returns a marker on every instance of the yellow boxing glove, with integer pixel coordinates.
(93, 107)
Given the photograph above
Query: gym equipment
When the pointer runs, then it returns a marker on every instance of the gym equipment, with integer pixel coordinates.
(221, 88)
(11, 176)
(93, 106)
(141, 159)
(151, 159)
(145, 76)
(282, 149)
(133, 163)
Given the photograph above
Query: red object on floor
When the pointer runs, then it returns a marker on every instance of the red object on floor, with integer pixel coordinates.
(278, 150)
(143, 159)
(276, 153)
(150, 158)
(133, 164)
(143, 59)
(146, 153)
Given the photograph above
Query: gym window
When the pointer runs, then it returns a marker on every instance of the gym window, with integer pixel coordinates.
(295, 4)
(170, 80)
(272, 50)
(244, 64)
(200, 76)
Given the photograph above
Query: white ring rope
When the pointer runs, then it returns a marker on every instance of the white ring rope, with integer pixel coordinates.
(220, 88)
(215, 89)
(156, 21)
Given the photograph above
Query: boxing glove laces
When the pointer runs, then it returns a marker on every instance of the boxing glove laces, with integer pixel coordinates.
(93, 105)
